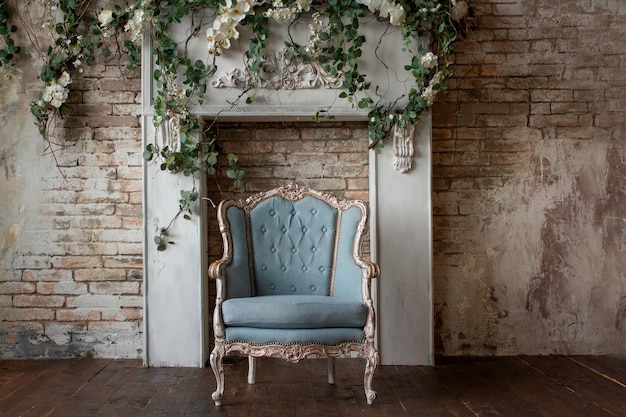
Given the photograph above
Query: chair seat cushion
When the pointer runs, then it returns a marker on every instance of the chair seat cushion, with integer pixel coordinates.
(293, 312)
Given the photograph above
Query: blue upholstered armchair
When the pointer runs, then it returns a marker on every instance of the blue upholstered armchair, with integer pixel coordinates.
(292, 282)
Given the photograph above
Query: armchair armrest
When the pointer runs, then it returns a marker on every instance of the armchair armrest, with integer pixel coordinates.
(217, 269)
(373, 270)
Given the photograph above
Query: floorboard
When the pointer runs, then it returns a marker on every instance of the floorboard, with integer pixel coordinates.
(543, 386)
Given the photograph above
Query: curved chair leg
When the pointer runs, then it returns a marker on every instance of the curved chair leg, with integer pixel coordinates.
(331, 370)
(251, 370)
(216, 364)
(370, 367)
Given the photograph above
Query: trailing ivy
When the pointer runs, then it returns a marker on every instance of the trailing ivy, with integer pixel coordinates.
(335, 41)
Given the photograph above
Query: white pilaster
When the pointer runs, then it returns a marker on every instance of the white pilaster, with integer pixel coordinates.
(402, 236)
(176, 315)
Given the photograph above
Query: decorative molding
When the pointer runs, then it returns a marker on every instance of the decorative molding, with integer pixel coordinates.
(403, 149)
(281, 72)
(296, 352)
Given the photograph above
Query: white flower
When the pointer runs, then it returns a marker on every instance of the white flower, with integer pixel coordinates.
(304, 5)
(386, 9)
(57, 102)
(236, 10)
(65, 79)
(55, 94)
(283, 13)
(105, 17)
(396, 15)
(437, 78)
(46, 95)
(135, 26)
(217, 41)
(374, 5)
(429, 60)
(429, 95)
(225, 25)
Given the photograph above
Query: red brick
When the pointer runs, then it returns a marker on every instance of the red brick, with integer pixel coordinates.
(17, 288)
(38, 301)
(78, 314)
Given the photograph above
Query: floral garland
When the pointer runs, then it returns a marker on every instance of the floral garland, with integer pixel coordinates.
(446, 16)
(334, 42)
(79, 35)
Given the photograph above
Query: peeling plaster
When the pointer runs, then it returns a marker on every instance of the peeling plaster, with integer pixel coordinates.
(550, 278)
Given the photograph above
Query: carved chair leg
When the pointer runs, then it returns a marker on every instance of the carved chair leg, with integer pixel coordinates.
(251, 370)
(370, 367)
(216, 364)
(331, 370)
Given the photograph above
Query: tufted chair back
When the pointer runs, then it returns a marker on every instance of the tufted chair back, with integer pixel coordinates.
(294, 243)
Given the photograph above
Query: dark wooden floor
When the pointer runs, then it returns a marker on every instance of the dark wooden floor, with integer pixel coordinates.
(512, 386)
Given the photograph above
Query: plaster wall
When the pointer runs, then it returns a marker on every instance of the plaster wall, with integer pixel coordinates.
(529, 183)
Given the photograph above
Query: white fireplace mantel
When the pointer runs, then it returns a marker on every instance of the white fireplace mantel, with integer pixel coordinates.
(176, 313)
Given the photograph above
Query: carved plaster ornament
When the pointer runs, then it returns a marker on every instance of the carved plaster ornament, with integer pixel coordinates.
(403, 137)
(281, 73)
(168, 134)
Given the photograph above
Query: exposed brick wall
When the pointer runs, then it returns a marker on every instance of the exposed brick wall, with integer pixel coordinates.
(329, 156)
(529, 182)
(71, 276)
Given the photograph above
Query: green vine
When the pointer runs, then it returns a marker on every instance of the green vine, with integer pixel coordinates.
(335, 41)
(9, 48)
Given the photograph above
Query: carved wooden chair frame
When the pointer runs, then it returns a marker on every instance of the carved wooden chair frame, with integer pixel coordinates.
(293, 352)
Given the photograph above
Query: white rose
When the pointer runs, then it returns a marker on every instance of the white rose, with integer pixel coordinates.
(105, 17)
(47, 93)
(59, 95)
(429, 60)
(64, 80)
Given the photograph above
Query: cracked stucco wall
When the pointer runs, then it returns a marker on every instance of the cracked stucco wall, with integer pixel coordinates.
(530, 183)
